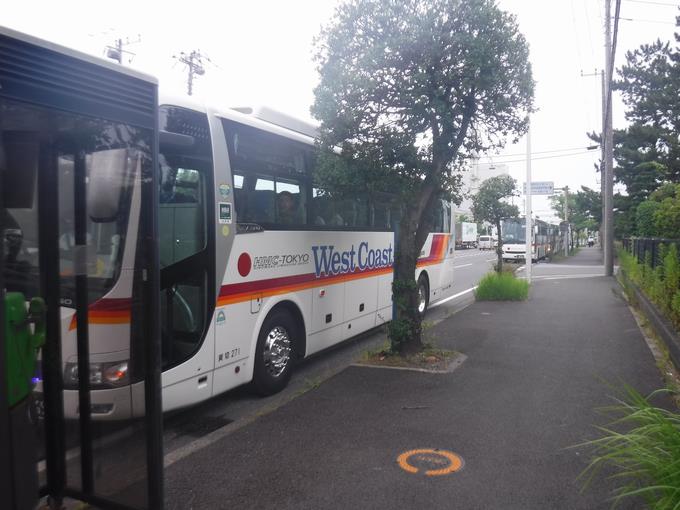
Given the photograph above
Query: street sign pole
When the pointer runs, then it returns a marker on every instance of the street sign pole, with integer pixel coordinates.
(527, 220)
(566, 219)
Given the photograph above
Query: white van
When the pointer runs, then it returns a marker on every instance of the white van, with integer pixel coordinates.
(485, 243)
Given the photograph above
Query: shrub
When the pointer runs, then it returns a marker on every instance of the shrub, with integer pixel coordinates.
(675, 309)
(671, 271)
(501, 287)
(661, 284)
(645, 459)
(630, 267)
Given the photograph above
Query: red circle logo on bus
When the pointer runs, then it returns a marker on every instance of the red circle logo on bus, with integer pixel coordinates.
(244, 264)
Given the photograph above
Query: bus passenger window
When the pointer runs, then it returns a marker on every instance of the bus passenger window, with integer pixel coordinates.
(447, 217)
(260, 202)
(290, 207)
(240, 199)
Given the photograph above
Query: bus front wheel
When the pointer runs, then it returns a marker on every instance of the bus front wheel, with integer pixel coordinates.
(274, 353)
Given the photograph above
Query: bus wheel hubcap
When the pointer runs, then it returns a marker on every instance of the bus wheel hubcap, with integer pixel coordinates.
(276, 352)
(421, 298)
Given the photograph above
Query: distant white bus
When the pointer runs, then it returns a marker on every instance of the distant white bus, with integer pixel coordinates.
(545, 238)
(259, 266)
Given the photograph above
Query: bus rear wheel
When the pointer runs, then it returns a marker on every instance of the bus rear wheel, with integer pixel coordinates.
(274, 353)
(423, 295)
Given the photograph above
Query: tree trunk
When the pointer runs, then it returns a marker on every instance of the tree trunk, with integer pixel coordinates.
(406, 328)
(499, 248)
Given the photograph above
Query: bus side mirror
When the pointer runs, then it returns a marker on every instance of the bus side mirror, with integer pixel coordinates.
(108, 176)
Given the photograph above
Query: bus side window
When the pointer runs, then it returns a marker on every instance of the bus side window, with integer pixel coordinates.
(446, 210)
(261, 201)
(240, 199)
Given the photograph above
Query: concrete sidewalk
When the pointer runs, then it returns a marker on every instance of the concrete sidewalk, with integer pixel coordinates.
(535, 374)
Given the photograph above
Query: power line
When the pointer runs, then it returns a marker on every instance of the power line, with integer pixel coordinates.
(612, 59)
(546, 157)
(650, 2)
(648, 21)
(590, 36)
(547, 152)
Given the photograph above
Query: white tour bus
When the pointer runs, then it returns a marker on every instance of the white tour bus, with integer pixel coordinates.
(513, 234)
(259, 267)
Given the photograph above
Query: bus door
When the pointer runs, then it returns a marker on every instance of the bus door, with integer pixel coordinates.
(187, 256)
(78, 145)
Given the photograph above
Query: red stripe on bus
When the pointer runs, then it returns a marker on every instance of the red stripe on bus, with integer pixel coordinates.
(107, 311)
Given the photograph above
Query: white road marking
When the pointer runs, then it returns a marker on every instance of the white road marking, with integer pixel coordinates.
(446, 300)
(468, 256)
(575, 265)
(563, 276)
(463, 265)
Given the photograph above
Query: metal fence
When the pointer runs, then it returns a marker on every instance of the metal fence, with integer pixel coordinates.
(648, 249)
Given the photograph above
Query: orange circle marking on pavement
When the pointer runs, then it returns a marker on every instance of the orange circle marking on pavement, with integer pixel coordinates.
(454, 461)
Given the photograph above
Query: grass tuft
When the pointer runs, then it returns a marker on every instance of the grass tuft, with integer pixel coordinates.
(645, 459)
(501, 287)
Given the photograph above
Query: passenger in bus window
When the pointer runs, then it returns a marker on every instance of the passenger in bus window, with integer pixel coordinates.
(286, 207)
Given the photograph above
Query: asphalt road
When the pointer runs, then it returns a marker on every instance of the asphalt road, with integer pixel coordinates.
(183, 430)
(535, 376)
(346, 431)
(120, 451)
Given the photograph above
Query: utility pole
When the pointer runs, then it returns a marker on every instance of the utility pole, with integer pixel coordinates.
(115, 51)
(527, 217)
(566, 219)
(602, 158)
(194, 63)
(608, 178)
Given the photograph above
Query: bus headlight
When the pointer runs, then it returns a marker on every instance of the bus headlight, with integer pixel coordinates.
(102, 375)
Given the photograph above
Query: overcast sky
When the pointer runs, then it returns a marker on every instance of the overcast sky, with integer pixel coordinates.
(261, 53)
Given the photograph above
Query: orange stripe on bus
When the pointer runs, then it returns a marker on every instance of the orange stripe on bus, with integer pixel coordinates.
(117, 317)
(276, 291)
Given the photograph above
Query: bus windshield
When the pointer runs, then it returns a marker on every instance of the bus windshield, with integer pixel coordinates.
(106, 150)
(513, 232)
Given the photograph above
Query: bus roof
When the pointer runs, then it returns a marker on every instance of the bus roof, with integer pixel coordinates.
(263, 118)
(69, 52)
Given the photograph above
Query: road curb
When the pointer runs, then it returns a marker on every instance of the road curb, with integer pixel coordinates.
(453, 365)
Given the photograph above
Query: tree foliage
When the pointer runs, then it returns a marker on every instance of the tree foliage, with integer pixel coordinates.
(659, 216)
(645, 220)
(407, 88)
(584, 209)
(489, 204)
(647, 152)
